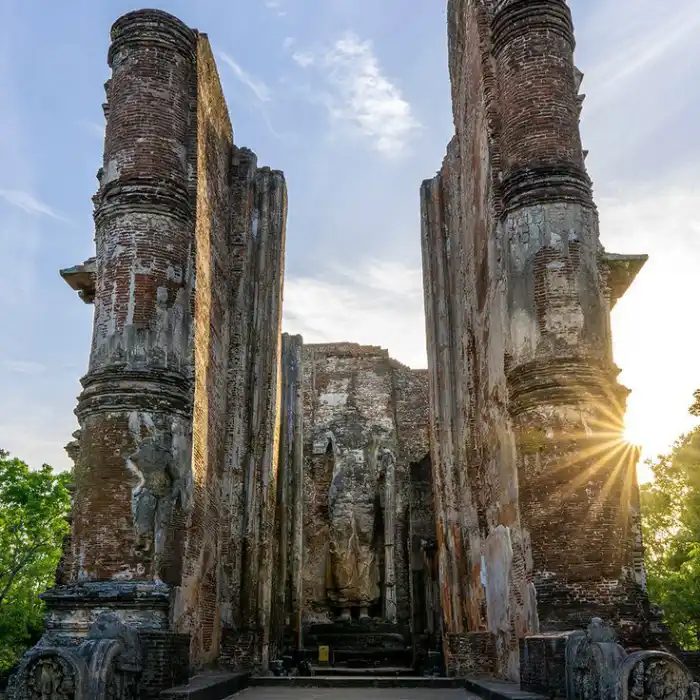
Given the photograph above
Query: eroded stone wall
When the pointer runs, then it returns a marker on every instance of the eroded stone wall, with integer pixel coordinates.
(254, 397)
(535, 488)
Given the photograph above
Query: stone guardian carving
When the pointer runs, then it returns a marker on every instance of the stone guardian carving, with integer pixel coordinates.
(161, 464)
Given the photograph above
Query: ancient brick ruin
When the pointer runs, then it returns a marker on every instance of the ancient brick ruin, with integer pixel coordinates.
(536, 491)
(241, 497)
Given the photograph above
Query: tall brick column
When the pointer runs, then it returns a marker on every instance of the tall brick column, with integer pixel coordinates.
(576, 477)
(132, 476)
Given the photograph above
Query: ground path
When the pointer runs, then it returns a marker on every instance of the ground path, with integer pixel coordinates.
(270, 693)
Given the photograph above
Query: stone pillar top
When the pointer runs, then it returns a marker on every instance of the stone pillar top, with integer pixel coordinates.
(514, 18)
(152, 27)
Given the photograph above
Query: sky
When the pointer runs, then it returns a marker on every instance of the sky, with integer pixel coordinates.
(351, 99)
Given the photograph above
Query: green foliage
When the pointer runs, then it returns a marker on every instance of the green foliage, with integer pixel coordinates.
(671, 527)
(34, 505)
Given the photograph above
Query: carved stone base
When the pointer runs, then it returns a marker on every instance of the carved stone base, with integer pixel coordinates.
(82, 621)
(543, 663)
(72, 609)
(107, 665)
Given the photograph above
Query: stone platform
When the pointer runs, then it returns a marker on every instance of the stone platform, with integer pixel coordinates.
(367, 644)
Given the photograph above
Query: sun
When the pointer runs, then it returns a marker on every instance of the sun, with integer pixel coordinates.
(636, 431)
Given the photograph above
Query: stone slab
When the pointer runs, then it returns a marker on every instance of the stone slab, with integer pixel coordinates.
(208, 686)
(490, 689)
(391, 671)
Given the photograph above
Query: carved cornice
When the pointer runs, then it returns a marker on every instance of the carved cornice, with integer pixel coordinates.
(129, 594)
(516, 18)
(565, 381)
(152, 28)
(119, 389)
(561, 182)
(619, 273)
(147, 196)
(81, 278)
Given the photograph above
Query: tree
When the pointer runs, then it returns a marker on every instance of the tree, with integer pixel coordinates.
(34, 506)
(671, 527)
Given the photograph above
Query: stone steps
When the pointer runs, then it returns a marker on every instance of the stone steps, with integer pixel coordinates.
(490, 689)
(355, 682)
(213, 685)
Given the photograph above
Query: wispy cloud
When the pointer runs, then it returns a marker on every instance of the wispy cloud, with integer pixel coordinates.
(28, 203)
(360, 95)
(261, 91)
(376, 303)
(276, 6)
(24, 366)
(303, 58)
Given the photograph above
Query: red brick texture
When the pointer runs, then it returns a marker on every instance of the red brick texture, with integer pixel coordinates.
(144, 222)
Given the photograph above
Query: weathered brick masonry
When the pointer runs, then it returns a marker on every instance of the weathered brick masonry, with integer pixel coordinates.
(176, 461)
(535, 489)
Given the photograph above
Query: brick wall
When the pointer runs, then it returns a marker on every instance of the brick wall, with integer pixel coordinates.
(165, 662)
(287, 574)
(198, 602)
(137, 386)
(243, 170)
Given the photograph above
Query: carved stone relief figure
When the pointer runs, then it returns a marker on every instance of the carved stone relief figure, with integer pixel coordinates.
(50, 675)
(161, 464)
(51, 679)
(354, 499)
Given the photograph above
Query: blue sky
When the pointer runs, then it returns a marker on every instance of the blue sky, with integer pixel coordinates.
(351, 99)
